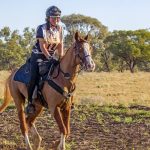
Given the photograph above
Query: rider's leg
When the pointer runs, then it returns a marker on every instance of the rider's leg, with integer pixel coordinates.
(32, 83)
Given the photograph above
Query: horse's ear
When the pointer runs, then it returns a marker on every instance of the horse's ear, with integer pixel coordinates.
(77, 36)
(86, 37)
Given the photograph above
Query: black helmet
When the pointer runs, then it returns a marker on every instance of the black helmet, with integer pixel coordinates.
(53, 11)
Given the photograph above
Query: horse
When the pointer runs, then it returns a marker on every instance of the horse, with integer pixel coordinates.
(77, 57)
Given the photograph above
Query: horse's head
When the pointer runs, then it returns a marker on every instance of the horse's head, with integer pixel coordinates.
(83, 53)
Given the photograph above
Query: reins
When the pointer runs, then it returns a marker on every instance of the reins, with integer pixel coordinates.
(67, 76)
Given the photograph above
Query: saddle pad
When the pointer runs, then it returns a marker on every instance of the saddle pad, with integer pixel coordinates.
(23, 74)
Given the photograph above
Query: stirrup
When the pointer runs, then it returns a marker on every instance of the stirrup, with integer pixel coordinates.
(30, 109)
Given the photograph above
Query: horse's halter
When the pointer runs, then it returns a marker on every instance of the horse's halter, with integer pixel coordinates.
(82, 55)
(79, 48)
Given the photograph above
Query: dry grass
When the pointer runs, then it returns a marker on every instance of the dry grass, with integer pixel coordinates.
(114, 88)
(108, 88)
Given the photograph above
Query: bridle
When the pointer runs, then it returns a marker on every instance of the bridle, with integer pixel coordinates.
(77, 54)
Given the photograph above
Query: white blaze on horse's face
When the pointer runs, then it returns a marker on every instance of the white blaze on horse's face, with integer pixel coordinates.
(89, 63)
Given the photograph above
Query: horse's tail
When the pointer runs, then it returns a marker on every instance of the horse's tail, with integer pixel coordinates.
(7, 95)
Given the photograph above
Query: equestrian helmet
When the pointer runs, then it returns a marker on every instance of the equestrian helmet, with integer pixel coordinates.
(53, 11)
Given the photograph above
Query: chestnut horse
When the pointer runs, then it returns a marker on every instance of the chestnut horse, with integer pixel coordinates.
(77, 56)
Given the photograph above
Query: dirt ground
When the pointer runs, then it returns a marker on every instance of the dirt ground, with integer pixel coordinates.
(92, 128)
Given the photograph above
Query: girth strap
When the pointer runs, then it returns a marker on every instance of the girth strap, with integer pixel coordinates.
(67, 95)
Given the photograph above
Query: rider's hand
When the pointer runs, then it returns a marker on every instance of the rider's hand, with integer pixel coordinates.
(49, 58)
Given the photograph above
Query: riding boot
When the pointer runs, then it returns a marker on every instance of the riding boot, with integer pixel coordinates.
(30, 109)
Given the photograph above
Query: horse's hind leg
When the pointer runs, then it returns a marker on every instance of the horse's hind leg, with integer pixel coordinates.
(35, 135)
(19, 102)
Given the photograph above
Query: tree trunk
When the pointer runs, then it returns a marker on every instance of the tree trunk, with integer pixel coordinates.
(132, 65)
(105, 56)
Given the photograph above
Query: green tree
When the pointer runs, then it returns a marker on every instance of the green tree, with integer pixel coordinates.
(14, 48)
(131, 47)
(86, 25)
(27, 41)
(5, 33)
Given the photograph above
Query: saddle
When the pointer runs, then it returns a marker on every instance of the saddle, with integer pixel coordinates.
(46, 69)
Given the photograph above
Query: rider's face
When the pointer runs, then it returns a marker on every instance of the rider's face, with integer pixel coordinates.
(54, 20)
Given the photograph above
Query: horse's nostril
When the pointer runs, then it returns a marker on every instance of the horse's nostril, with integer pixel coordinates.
(89, 65)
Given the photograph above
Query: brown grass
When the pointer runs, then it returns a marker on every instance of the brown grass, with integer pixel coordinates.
(108, 88)
(114, 88)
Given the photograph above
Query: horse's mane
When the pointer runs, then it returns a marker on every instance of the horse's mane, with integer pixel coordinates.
(65, 53)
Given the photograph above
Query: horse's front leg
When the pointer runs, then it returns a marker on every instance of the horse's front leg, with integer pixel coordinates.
(59, 119)
(36, 138)
(66, 118)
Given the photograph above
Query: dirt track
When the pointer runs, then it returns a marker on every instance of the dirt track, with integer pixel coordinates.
(91, 129)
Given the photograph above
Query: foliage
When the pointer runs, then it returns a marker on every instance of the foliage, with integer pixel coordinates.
(131, 47)
(87, 25)
(14, 48)
(117, 50)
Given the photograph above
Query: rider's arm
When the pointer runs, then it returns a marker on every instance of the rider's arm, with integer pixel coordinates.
(60, 50)
(43, 47)
(60, 47)
(42, 42)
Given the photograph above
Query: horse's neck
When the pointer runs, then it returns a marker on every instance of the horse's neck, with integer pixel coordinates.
(68, 63)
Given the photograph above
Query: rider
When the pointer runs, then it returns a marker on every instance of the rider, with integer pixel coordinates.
(49, 40)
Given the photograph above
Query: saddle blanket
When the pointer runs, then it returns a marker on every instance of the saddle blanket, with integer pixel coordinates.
(23, 74)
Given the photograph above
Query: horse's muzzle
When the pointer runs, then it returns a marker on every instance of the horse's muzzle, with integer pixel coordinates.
(90, 66)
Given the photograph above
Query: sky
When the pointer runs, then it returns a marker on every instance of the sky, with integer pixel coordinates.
(115, 14)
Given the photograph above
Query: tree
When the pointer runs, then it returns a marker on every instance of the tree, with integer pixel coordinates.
(129, 46)
(86, 25)
(27, 41)
(15, 48)
(5, 33)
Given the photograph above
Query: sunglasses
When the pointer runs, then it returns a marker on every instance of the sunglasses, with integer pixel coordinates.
(55, 17)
